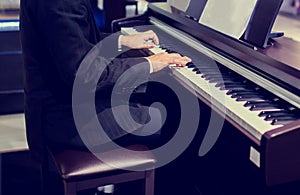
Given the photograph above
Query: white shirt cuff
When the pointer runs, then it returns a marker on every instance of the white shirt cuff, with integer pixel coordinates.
(150, 64)
(119, 43)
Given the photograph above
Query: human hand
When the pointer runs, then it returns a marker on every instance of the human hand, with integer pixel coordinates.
(140, 40)
(161, 60)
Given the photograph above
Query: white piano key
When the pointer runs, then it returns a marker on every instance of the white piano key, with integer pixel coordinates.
(157, 50)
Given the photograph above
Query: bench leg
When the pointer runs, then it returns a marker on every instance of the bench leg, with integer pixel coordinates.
(149, 182)
(70, 188)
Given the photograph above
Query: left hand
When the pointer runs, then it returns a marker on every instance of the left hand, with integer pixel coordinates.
(140, 40)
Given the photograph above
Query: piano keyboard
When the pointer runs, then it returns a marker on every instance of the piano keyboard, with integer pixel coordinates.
(252, 107)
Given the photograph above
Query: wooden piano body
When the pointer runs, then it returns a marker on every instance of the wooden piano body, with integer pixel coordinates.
(275, 152)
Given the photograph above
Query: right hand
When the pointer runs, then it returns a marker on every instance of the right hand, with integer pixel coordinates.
(141, 40)
(161, 60)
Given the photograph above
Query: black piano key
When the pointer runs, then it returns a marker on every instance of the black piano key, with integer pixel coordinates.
(274, 99)
(235, 91)
(262, 105)
(281, 114)
(210, 71)
(258, 108)
(207, 72)
(167, 47)
(208, 67)
(191, 65)
(217, 80)
(283, 117)
(230, 84)
(229, 87)
(204, 66)
(281, 121)
(251, 103)
(250, 98)
(217, 76)
(171, 51)
(245, 94)
(293, 109)
(273, 113)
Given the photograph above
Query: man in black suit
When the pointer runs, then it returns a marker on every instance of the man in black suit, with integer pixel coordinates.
(56, 36)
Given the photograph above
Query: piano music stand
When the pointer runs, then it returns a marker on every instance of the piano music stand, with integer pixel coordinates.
(195, 9)
(260, 25)
(261, 22)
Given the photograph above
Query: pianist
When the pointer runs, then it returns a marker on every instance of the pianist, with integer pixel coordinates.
(56, 36)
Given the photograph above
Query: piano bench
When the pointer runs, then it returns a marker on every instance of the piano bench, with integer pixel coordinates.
(82, 170)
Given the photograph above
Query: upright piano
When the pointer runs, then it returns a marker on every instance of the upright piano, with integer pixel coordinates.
(256, 89)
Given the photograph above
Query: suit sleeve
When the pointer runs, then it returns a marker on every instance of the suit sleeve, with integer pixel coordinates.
(68, 31)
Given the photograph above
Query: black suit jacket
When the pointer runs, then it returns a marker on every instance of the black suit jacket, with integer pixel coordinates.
(56, 35)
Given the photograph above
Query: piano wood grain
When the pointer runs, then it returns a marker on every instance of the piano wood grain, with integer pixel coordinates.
(285, 50)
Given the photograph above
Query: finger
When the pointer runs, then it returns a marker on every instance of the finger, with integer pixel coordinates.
(152, 35)
(155, 39)
(187, 59)
(183, 58)
(148, 45)
(176, 61)
(181, 61)
(174, 55)
(148, 32)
